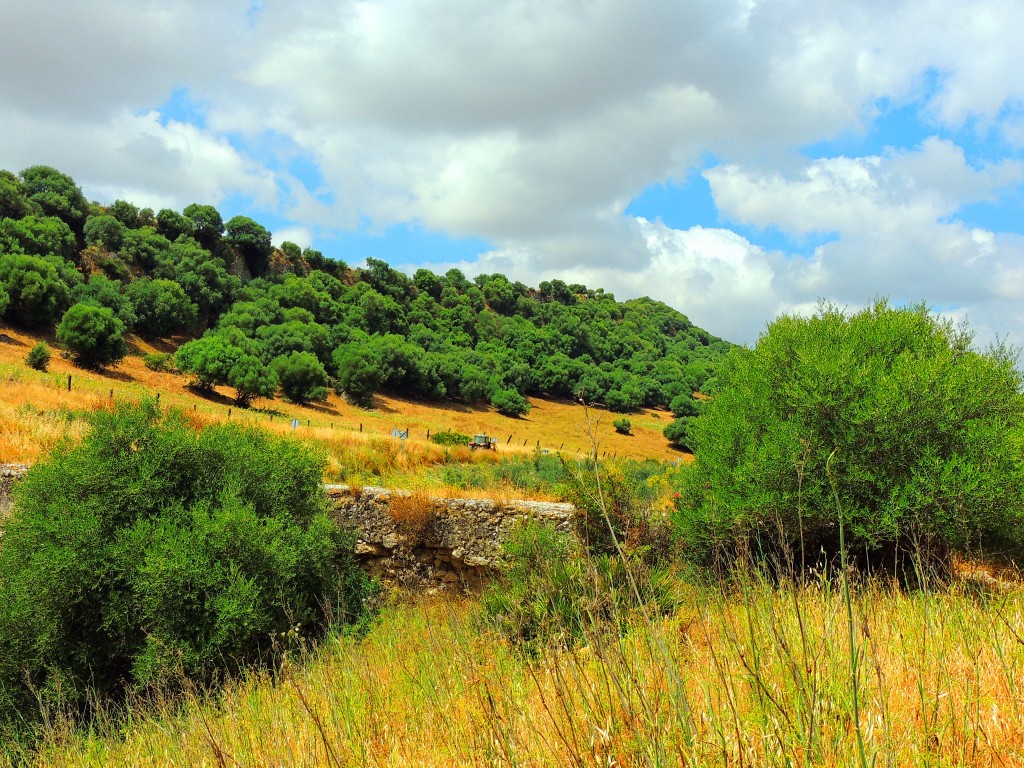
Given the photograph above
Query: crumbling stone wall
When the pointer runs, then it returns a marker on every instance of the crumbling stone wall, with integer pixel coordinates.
(459, 543)
(454, 543)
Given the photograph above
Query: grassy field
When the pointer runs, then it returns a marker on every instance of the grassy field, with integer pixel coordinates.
(37, 409)
(744, 675)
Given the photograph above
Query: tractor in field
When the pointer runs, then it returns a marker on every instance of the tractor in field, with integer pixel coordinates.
(484, 442)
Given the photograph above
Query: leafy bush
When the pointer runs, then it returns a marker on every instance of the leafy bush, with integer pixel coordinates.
(161, 307)
(303, 378)
(150, 551)
(92, 335)
(159, 361)
(449, 437)
(36, 293)
(887, 411)
(623, 426)
(552, 591)
(678, 432)
(38, 357)
(228, 357)
(510, 403)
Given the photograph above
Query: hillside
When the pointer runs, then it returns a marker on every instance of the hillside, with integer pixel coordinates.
(36, 410)
(255, 322)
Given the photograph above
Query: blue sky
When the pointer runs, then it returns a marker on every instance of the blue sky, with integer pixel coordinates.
(737, 159)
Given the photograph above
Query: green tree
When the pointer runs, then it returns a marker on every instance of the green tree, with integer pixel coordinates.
(92, 335)
(252, 241)
(37, 236)
(889, 409)
(229, 358)
(172, 224)
(151, 551)
(207, 224)
(105, 292)
(161, 307)
(302, 376)
(510, 403)
(56, 194)
(37, 295)
(105, 231)
(357, 367)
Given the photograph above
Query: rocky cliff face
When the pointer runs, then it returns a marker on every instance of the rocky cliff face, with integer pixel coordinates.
(413, 539)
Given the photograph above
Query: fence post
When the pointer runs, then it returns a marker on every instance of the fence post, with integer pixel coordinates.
(509, 439)
(69, 382)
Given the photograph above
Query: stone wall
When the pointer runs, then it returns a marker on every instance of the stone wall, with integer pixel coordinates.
(419, 541)
(412, 539)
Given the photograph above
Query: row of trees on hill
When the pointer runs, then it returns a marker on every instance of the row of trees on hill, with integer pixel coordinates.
(286, 317)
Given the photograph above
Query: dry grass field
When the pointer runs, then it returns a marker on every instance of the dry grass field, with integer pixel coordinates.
(37, 409)
(751, 675)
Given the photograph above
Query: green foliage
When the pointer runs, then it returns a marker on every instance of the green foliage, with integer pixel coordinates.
(510, 403)
(56, 194)
(207, 224)
(104, 292)
(37, 236)
(449, 437)
(228, 357)
(552, 591)
(161, 307)
(39, 356)
(159, 361)
(252, 240)
(302, 377)
(623, 426)
(37, 295)
(92, 335)
(151, 551)
(679, 431)
(685, 404)
(104, 231)
(887, 411)
(358, 373)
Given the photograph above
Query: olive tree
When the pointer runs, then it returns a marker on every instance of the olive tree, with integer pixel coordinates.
(884, 425)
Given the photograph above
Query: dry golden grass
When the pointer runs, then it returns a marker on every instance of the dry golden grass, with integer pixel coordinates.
(357, 441)
(747, 675)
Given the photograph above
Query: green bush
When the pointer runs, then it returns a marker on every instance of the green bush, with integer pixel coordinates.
(303, 377)
(552, 591)
(510, 403)
(623, 426)
(890, 410)
(151, 551)
(92, 335)
(678, 432)
(39, 356)
(159, 361)
(449, 437)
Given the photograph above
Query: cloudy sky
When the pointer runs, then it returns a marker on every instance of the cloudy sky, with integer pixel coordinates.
(733, 158)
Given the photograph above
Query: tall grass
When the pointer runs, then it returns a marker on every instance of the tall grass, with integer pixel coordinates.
(742, 673)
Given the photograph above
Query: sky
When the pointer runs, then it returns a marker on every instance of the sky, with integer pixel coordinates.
(736, 159)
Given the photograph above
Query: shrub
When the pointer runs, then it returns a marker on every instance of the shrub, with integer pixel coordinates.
(150, 551)
(161, 307)
(302, 377)
(510, 403)
(887, 411)
(551, 591)
(36, 293)
(449, 437)
(678, 432)
(159, 361)
(38, 357)
(92, 335)
(623, 426)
